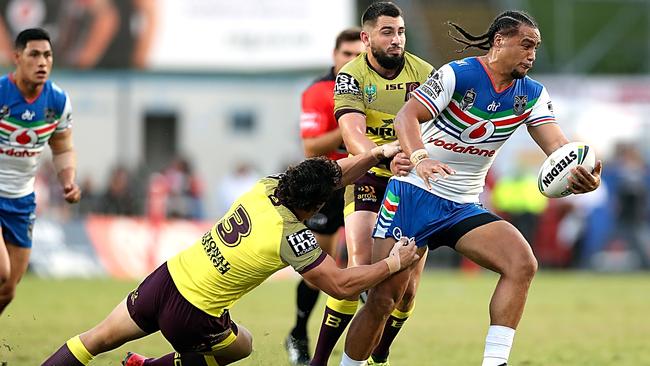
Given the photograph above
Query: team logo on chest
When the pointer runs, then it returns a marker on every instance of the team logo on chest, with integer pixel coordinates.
(371, 93)
(26, 137)
(468, 100)
(519, 105)
(478, 132)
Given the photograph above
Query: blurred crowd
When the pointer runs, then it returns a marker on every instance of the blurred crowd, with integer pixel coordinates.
(608, 229)
(174, 192)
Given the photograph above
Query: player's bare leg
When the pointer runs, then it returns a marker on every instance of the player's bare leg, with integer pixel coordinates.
(18, 261)
(367, 326)
(500, 247)
(338, 313)
(297, 343)
(403, 309)
(117, 329)
(5, 266)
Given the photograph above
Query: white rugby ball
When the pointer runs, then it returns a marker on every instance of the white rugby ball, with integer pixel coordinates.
(553, 178)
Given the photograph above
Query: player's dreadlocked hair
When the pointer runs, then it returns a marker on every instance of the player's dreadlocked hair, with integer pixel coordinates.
(308, 184)
(506, 24)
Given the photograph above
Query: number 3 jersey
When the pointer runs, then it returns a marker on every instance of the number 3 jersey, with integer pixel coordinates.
(257, 237)
(25, 128)
(472, 121)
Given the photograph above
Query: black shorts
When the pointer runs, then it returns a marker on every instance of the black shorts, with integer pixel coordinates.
(366, 194)
(449, 237)
(157, 305)
(330, 218)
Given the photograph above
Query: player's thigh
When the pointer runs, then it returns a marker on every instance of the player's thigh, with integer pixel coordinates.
(358, 236)
(240, 348)
(498, 246)
(18, 262)
(406, 302)
(5, 267)
(116, 329)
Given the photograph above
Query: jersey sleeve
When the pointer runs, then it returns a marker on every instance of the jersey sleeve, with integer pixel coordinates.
(542, 112)
(348, 96)
(65, 121)
(313, 115)
(300, 250)
(436, 93)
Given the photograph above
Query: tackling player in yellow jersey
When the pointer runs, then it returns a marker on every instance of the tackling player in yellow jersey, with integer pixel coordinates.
(188, 298)
(369, 91)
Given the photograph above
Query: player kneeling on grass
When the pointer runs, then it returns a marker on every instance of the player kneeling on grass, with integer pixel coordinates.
(188, 298)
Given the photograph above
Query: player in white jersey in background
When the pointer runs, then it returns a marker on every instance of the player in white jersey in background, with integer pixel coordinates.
(476, 104)
(33, 112)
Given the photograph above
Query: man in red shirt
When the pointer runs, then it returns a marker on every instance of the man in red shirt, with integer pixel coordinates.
(321, 136)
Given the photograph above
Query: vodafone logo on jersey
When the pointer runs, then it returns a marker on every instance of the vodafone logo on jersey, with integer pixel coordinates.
(24, 136)
(478, 132)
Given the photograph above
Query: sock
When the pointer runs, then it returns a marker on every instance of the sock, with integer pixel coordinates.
(393, 325)
(72, 353)
(497, 345)
(184, 359)
(306, 298)
(347, 361)
(336, 318)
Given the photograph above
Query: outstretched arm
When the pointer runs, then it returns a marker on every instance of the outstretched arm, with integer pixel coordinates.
(354, 167)
(344, 283)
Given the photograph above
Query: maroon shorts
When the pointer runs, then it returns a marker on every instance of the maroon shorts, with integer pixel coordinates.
(366, 194)
(157, 305)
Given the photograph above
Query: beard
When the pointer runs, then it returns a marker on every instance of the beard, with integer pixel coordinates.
(516, 74)
(387, 61)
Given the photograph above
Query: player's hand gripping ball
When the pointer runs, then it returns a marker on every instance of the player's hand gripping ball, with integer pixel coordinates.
(553, 178)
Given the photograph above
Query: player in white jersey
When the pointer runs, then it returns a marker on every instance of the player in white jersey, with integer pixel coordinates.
(476, 104)
(33, 112)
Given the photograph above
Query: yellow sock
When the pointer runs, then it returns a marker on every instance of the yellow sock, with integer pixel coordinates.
(78, 350)
(342, 306)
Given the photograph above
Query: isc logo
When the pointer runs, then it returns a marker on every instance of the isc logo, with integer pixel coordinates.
(399, 86)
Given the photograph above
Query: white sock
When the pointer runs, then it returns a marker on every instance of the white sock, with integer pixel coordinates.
(497, 345)
(347, 361)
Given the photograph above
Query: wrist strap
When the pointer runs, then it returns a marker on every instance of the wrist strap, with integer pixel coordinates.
(418, 155)
(393, 263)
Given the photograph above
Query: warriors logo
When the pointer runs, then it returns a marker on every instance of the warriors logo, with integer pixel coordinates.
(519, 105)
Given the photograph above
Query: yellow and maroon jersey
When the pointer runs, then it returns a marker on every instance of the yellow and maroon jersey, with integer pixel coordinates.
(359, 88)
(257, 237)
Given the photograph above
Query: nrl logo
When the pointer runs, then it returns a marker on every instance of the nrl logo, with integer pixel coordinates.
(371, 92)
(468, 100)
(520, 104)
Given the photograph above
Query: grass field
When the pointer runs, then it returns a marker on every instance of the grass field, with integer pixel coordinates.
(571, 319)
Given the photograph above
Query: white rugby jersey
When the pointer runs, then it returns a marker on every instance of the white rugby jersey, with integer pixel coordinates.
(25, 128)
(472, 121)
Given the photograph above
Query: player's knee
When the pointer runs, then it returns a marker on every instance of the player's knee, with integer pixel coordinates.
(7, 292)
(407, 300)
(4, 276)
(380, 304)
(525, 268)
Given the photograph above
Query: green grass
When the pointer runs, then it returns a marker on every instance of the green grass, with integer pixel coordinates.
(571, 319)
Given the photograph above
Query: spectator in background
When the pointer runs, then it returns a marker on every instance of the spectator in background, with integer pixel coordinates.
(516, 197)
(118, 198)
(239, 180)
(629, 180)
(185, 191)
